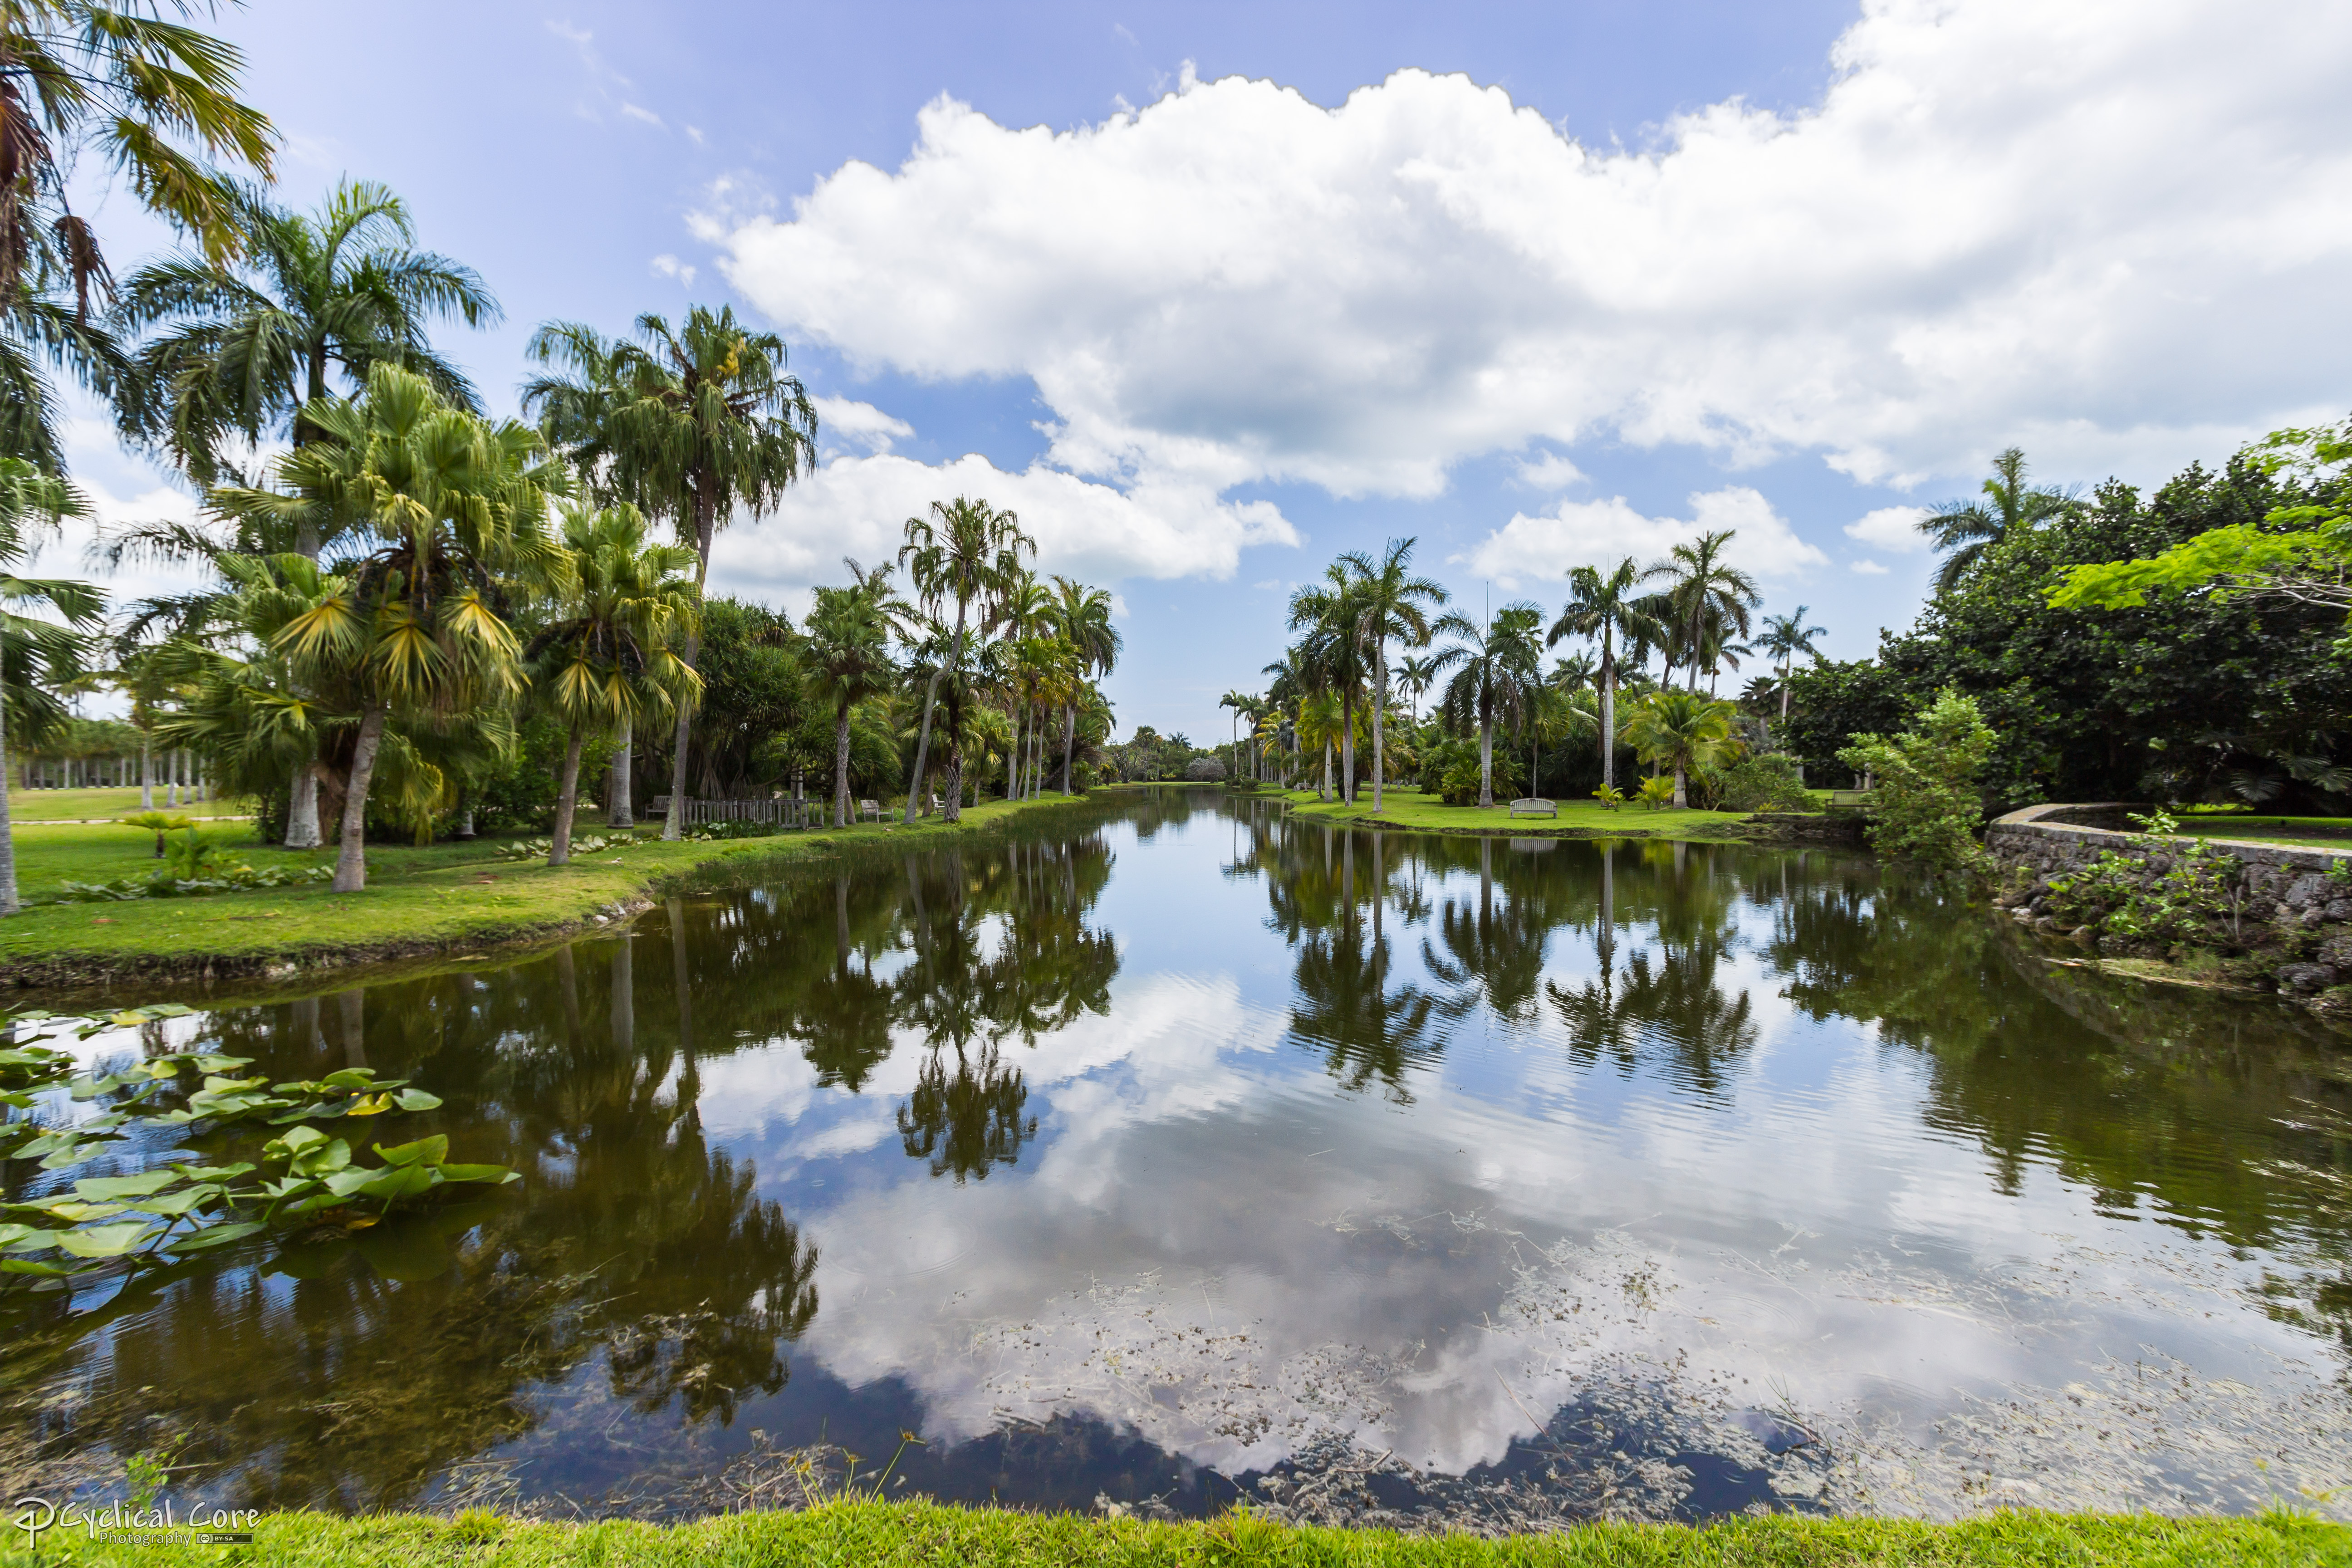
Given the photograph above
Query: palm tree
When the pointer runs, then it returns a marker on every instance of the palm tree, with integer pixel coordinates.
(1709, 596)
(150, 97)
(1413, 679)
(31, 503)
(1681, 731)
(1785, 637)
(456, 503)
(1390, 602)
(1240, 702)
(1085, 624)
(966, 551)
(1332, 615)
(1495, 672)
(1605, 609)
(611, 660)
(696, 425)
(247, 343)
(848, 650)
(1968, 528)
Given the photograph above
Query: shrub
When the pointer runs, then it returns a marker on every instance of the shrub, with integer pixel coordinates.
(1658, 793)
(1927, 803)
(1768, 783)
(1205, 770)
(2123, 895)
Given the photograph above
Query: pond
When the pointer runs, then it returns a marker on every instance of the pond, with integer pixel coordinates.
(1169, 1151)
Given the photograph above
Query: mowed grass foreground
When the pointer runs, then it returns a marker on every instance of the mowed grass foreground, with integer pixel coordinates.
(442, 899)
(904, 1535)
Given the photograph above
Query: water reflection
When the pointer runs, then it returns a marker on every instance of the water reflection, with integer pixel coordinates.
(1421, 1133)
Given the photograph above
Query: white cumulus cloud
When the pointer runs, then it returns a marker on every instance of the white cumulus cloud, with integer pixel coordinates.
(1894, 527)
(2112, 233)
(1549, 545)
(858, 507)
(844, 419)
(1868, 569)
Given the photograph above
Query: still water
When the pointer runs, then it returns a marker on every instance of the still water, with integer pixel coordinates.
(1175, 1152)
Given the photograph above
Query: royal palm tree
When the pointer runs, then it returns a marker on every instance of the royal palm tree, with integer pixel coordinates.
(245, 344)
(1785, 637)
(610, 659)
(848, 652)
(455, 504)
(1710, 597)
(1413, 679)
(1390, 603)
(1084, 616)
(1681, 731)
(1241, 703)
(31, 503)
(697, 425)
(1496, 671)
(1968, 528)
(1332, 614)
(966, 551)
(140, 92)
(1606, 609)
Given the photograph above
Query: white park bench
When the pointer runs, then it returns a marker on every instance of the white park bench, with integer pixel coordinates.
(1534, 808)
(870, 808)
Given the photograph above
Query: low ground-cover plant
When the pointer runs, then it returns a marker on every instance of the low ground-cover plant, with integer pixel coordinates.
(195, 864)
(217, 1190)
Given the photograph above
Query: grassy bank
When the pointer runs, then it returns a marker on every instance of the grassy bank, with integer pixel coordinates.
(105, 805)
(1576, 819)
(442, 901)
(857, 1535)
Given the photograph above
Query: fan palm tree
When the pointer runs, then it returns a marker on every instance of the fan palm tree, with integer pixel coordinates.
(246, 344)
(1390, 603)
(1681, 731)
(31, 503)
(848, 652)
(697, 425)
(1785, 637)
(967, 551)
(1496, 671)
(1083, 614)
(1710, 597)
(1605, 609)
(610, 659)
(153, 98)
(456, 504)
(1968, 528)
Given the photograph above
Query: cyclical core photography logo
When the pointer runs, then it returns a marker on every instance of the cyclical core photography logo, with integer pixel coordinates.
(133, 1524)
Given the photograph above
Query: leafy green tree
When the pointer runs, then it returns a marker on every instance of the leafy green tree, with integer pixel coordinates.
(1332, 614)
(1707, 597)
(697, 424)
(1497, 669)
(1684, 730)
(1392, 603)
(156, 101)
(1927, 801)
(1787, 638)
(1968, 528)
(611, 658)
(1084, 622)
(245, 344)
(966, 552)
(31, 502)
(1606, 610)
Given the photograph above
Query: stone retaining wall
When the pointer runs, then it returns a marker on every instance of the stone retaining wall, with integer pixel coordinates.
(2294, 918)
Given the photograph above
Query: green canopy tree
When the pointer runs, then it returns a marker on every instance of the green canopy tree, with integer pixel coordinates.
(697, 424)
(848, 657)
(1391, 603)
(1683, 730)
(968, 553)
(1607, 610)
(612, 657)
(1497, 672)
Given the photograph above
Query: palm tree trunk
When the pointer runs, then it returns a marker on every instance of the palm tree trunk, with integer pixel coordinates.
(675, 827)
(841, 766)
(350, 861)
(1327, 770)
(622, 813)
(1069, 743)
(955, 723)
(624, 996)
(922, 748)
(1380, 702)
(302, 809)
(1486, 758)
(146, 773)
(8, 905)
(567, 800)
(1608, 726)
(1681, 792)
(1348, 747)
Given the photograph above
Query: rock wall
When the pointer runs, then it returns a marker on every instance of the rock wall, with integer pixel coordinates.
(2292, 922)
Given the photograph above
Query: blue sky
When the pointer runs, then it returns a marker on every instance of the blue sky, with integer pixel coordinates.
(1790, 267)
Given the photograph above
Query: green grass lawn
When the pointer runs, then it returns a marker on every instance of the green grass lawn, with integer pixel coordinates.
(2318, 831)
(1579, 818)
(445, 898)
(81, 804)
(904, 1535)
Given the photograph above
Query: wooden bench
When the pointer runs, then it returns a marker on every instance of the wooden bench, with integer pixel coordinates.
(1534, 808)
(870, 808)
(1851, 799)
